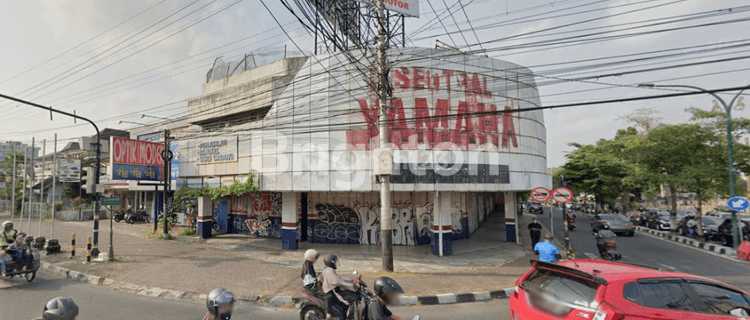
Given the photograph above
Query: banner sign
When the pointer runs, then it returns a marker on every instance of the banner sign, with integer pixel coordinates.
(69, 169)
(216, 150)
(153, 137)
(175, 166)
(136, 160)
(406, 7)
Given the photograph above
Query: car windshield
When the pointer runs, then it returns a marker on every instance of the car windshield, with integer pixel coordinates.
(556, 293)
(664, 215)
(709, 221)
(613, 217)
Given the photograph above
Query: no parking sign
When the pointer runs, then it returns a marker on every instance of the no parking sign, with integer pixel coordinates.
(562, 195)
(540, 194)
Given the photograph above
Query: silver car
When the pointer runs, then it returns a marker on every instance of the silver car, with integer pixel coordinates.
(616, 223)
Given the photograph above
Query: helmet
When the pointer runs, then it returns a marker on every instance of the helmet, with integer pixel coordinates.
(386, 287)
(218, 298)
(60, 308)
(331, 261)
(7, 224)
(311, 255)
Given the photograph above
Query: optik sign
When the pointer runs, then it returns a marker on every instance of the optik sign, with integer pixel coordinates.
(136, 160)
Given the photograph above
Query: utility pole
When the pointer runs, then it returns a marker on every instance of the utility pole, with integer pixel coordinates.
(23, 183)
(31, 185)
(166, 155)
(41, 188)
(386, 233)
(13, 188)
(565, 218)
(54, 183)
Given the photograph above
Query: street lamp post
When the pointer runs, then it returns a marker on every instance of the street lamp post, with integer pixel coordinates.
(730, 147)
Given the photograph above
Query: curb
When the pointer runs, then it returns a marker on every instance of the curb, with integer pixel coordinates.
(722, 250)
(154, 292)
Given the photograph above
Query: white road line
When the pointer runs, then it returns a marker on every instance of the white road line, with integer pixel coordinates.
(668, 267)
(590, 255)
(691, 247)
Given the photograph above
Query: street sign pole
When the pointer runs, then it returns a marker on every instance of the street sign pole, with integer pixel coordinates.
(563, 195)
(111, 202)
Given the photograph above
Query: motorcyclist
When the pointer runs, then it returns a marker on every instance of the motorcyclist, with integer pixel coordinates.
(309, 276)
(220, 303)
(342, 288)
(387, 292)
(60, 308)
(19, 251)
(8, 235)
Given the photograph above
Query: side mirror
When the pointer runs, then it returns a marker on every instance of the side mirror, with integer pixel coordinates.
(415, 317)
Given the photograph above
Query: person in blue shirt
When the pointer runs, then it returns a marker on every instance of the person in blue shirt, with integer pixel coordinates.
(547, 251)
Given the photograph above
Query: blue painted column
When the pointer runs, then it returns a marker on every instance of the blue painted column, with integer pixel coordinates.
(205, 221)
(289, 221)
(442, 225)
(511, 217)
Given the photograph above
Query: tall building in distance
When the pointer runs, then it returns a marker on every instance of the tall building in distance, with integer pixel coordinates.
(6, 148)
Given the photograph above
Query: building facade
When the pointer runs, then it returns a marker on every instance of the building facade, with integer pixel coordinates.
(306, 127)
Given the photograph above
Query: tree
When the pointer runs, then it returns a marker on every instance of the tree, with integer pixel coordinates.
(684, 157)
(20, 180)
(601, 169)
(643, 118)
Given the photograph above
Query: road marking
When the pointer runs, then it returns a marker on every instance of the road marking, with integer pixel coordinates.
(668, 267)
(691, 247)
(590, 255)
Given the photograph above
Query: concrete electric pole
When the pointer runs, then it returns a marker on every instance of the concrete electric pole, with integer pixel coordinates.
(386, 235)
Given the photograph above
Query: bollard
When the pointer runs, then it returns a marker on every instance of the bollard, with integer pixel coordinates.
(95, 251)
(72, 246)
(88, 249)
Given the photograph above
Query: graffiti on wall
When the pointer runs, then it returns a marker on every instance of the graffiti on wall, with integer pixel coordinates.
(257, 214)
(341, 224)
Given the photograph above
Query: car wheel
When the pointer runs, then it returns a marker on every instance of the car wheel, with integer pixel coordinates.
(631, 233)
(726, 242)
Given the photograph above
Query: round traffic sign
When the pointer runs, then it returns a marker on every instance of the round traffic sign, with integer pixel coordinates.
(540, 194)
(562, 195)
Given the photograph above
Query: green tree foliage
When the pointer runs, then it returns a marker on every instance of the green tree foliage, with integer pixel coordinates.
(10, 187)
(601, 169)
(236, 189)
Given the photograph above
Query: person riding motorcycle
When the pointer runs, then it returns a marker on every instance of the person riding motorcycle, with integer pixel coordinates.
(309, 276)
(220, 303)
(19, 251)
(340, 289)
(60, 308)
(8, 234)
(387, 292)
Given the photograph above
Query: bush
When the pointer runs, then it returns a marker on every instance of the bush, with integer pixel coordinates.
(188, 233)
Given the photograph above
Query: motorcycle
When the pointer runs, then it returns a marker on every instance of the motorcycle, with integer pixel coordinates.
(139, 216)
(314, 306)
(571, 223)
(119, 215)
(605, 242)
(27, 268)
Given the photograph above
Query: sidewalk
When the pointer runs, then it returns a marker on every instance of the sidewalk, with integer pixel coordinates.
(256, 267)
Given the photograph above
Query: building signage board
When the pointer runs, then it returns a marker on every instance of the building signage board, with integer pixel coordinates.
(195, 183)
(175, 166)
(69, 170)
(216, 150)
(136, 160)
(153, 137)
(406, 7)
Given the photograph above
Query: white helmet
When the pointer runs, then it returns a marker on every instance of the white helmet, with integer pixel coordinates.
(311, 255)
(6, 224)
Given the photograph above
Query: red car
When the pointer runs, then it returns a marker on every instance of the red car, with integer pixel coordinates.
(590, 289)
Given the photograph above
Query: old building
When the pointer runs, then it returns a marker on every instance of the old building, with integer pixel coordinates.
(306, 127)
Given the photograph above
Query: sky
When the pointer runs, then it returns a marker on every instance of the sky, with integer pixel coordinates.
(113, 61)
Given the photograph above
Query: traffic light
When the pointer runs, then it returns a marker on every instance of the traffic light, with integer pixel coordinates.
(87, 179)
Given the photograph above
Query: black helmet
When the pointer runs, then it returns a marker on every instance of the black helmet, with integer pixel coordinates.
(218, 298)
(385, 287)
(60, 308)
(331, 261)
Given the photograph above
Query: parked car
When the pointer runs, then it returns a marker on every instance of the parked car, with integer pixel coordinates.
(605, 290)
(536, 208)
(710, 226)
(617, 223)
(660, 220)
(724, 232)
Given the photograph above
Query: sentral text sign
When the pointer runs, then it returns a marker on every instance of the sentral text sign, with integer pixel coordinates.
(136, 160)
(217, 150)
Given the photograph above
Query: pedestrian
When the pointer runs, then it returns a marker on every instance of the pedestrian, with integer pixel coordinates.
(692, 224)
(535, 230)
(547, 251)
(309, 276)
(61, 308)
(220, 304)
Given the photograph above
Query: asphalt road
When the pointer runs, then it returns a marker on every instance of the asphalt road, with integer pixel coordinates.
(21, 300)
(648, 250)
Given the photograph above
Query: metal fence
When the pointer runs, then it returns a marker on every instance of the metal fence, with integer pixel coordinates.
(36, 209)
(223, 69)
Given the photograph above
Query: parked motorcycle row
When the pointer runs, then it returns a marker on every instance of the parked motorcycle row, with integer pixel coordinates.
(716, 226)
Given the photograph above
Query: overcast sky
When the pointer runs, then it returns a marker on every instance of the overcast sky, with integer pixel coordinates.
(98, 57)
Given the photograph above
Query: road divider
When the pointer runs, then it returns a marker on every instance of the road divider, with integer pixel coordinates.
(713, 248)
